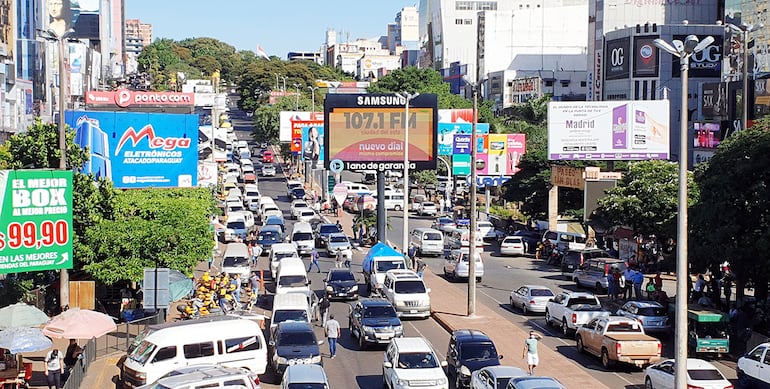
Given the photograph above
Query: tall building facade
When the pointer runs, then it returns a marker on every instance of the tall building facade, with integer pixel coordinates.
(138, 35)
(135, 28)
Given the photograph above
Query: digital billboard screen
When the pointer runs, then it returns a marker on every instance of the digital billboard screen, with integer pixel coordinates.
(366, 131)
(138, 150)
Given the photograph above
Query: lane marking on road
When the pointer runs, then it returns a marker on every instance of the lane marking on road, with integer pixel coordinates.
(425, 337)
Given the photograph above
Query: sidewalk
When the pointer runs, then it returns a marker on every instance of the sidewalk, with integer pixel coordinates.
(508, 338)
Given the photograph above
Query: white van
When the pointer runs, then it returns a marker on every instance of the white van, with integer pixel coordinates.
(291, 276)
(460, 237)
(290, 307)
(357, 189)
(279, 251)
(408, 294)
(302, 238)
(251, 195)
(428, 241)
(219, 340)
(393, 200)
(564, 240)
(239, 224)
(237, 261)
(234, 194)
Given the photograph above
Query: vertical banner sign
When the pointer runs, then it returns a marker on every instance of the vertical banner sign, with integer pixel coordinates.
(645, 57)
(35, 220)
(617, 59)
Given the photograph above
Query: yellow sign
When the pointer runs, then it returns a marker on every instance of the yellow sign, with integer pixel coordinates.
(569, 177)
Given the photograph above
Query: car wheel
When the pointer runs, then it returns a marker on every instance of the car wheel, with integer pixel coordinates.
(599, 288)
(524, 308)
(579, 343)
(564, 328)
(606, 361)
(648, 383)
(547, 318)
(397, 208)
(384, 381)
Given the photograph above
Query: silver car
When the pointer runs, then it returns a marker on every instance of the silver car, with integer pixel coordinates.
(651, 314)
(336, 242)
(495, 377)
(530, 298)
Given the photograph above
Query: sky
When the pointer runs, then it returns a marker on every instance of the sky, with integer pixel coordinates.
(279, 26)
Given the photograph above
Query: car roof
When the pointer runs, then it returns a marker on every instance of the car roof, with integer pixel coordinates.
(403, 274)
(471, 335)
(371, 302)
(536, 287)
(270, 227)
(536, 383)
(645, 304)
(340, 271)
(501, 371)
(577, 294)
(294, 326)
(202, 375)
(342, 234)
(412, 344)
(306, 374)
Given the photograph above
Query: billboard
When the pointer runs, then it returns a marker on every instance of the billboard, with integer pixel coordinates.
(366, 131)
(645, 56)
(79, 15)
(705, 63)
(35, 220)
(208, 174)
(706, 135)
(138, 150)
(448, 131)
(616, 59)
(608, 130)
(461, 165)
(713, 101)
(296, 133)
(499, 154)
(125, 98)
(313, 145)
(285, 119)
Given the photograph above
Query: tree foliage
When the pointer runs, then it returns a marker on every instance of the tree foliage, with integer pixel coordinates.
(422, 80)
(647, 199)
(732, 220)
(149, 228)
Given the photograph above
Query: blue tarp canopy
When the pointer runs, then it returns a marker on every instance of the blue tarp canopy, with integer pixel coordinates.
(379, 250)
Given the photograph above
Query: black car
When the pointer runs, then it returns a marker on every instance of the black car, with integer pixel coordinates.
(293, 343)
(374, 321)
(469, 350)
(341, 283)
(298, 194)
(324, 230)
(268, 236)
(530, 238)
(572, 259)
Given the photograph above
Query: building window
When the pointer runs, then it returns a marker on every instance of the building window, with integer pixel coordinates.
(464, 6)
(459, 21)
(549, 83)
(583, 84)
(467, 21)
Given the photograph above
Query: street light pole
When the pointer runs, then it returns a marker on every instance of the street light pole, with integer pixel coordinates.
(472, 197)
(407, 97)
(296, 101)
(276, 80)
(684, 51)
(312, 92)
(284, 83)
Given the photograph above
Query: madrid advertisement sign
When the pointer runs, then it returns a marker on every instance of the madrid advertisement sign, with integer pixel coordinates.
(35, 220)
(125, 98)
(366, 131)
(138, 150)
(608, 130)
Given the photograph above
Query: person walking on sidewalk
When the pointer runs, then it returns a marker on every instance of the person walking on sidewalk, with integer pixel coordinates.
(420, 267)
(324, 305)
(54, 367)
(314, 261)
(338, 259)
(332, 330)
(530, 351)
(638, 281)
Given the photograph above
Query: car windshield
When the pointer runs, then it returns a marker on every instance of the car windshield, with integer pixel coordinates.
(407, 287)
(252, 194)
(705, 374)
(315, 385)
(292, 281)
(651, 311)
(583, 301)
(329, 229)
(444, 220)
(485, 225)
(383, 266)
(338, 239)
(237, 225)
(341, 276)
(296, 338)
(233, 262)
(302, 236)
(417, 361)
(383, 311)
(269, 236)
(141, 353)
(432, 236)
(236, 208)
(428, 204)
(298, 191)
(279, 256)
(300, 205)
(540, 292)
(478, 351)
(307, 213)
(624, 327)
(289, 315)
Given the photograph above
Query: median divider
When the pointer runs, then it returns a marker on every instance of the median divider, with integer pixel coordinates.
(450, 312)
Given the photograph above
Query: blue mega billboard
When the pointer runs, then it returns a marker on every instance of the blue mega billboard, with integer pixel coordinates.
(138, 150)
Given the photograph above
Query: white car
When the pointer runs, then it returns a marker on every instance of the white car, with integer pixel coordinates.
(306, 215)
(411, 362)
(700, 374)
(291, 184)
(487, 230)
(297, 206)
(513, 245)
(530, 298)
(268, 170)
(752, 367)
(456, 264)
(427, 208)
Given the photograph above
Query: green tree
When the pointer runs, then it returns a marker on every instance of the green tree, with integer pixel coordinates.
(423, 80)
(731, 222)
(150, 227)
(647, 199)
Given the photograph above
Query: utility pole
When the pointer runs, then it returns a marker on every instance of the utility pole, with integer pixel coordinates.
(472, 197)
(407, 97)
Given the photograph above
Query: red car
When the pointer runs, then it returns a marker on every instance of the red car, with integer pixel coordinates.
(268, 157)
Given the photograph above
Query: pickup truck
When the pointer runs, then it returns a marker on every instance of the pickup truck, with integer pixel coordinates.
(570, 310)
(618, 339)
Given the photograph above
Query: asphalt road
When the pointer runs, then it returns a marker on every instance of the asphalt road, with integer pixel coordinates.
(502, 274)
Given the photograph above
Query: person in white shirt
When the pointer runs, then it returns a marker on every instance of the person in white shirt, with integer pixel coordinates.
(54, 366)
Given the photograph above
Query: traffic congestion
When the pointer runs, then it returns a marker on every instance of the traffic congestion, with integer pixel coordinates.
(339, 311)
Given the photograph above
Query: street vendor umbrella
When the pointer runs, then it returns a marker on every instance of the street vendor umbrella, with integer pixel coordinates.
(21, 315)
(79, 323)
(24, 340)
